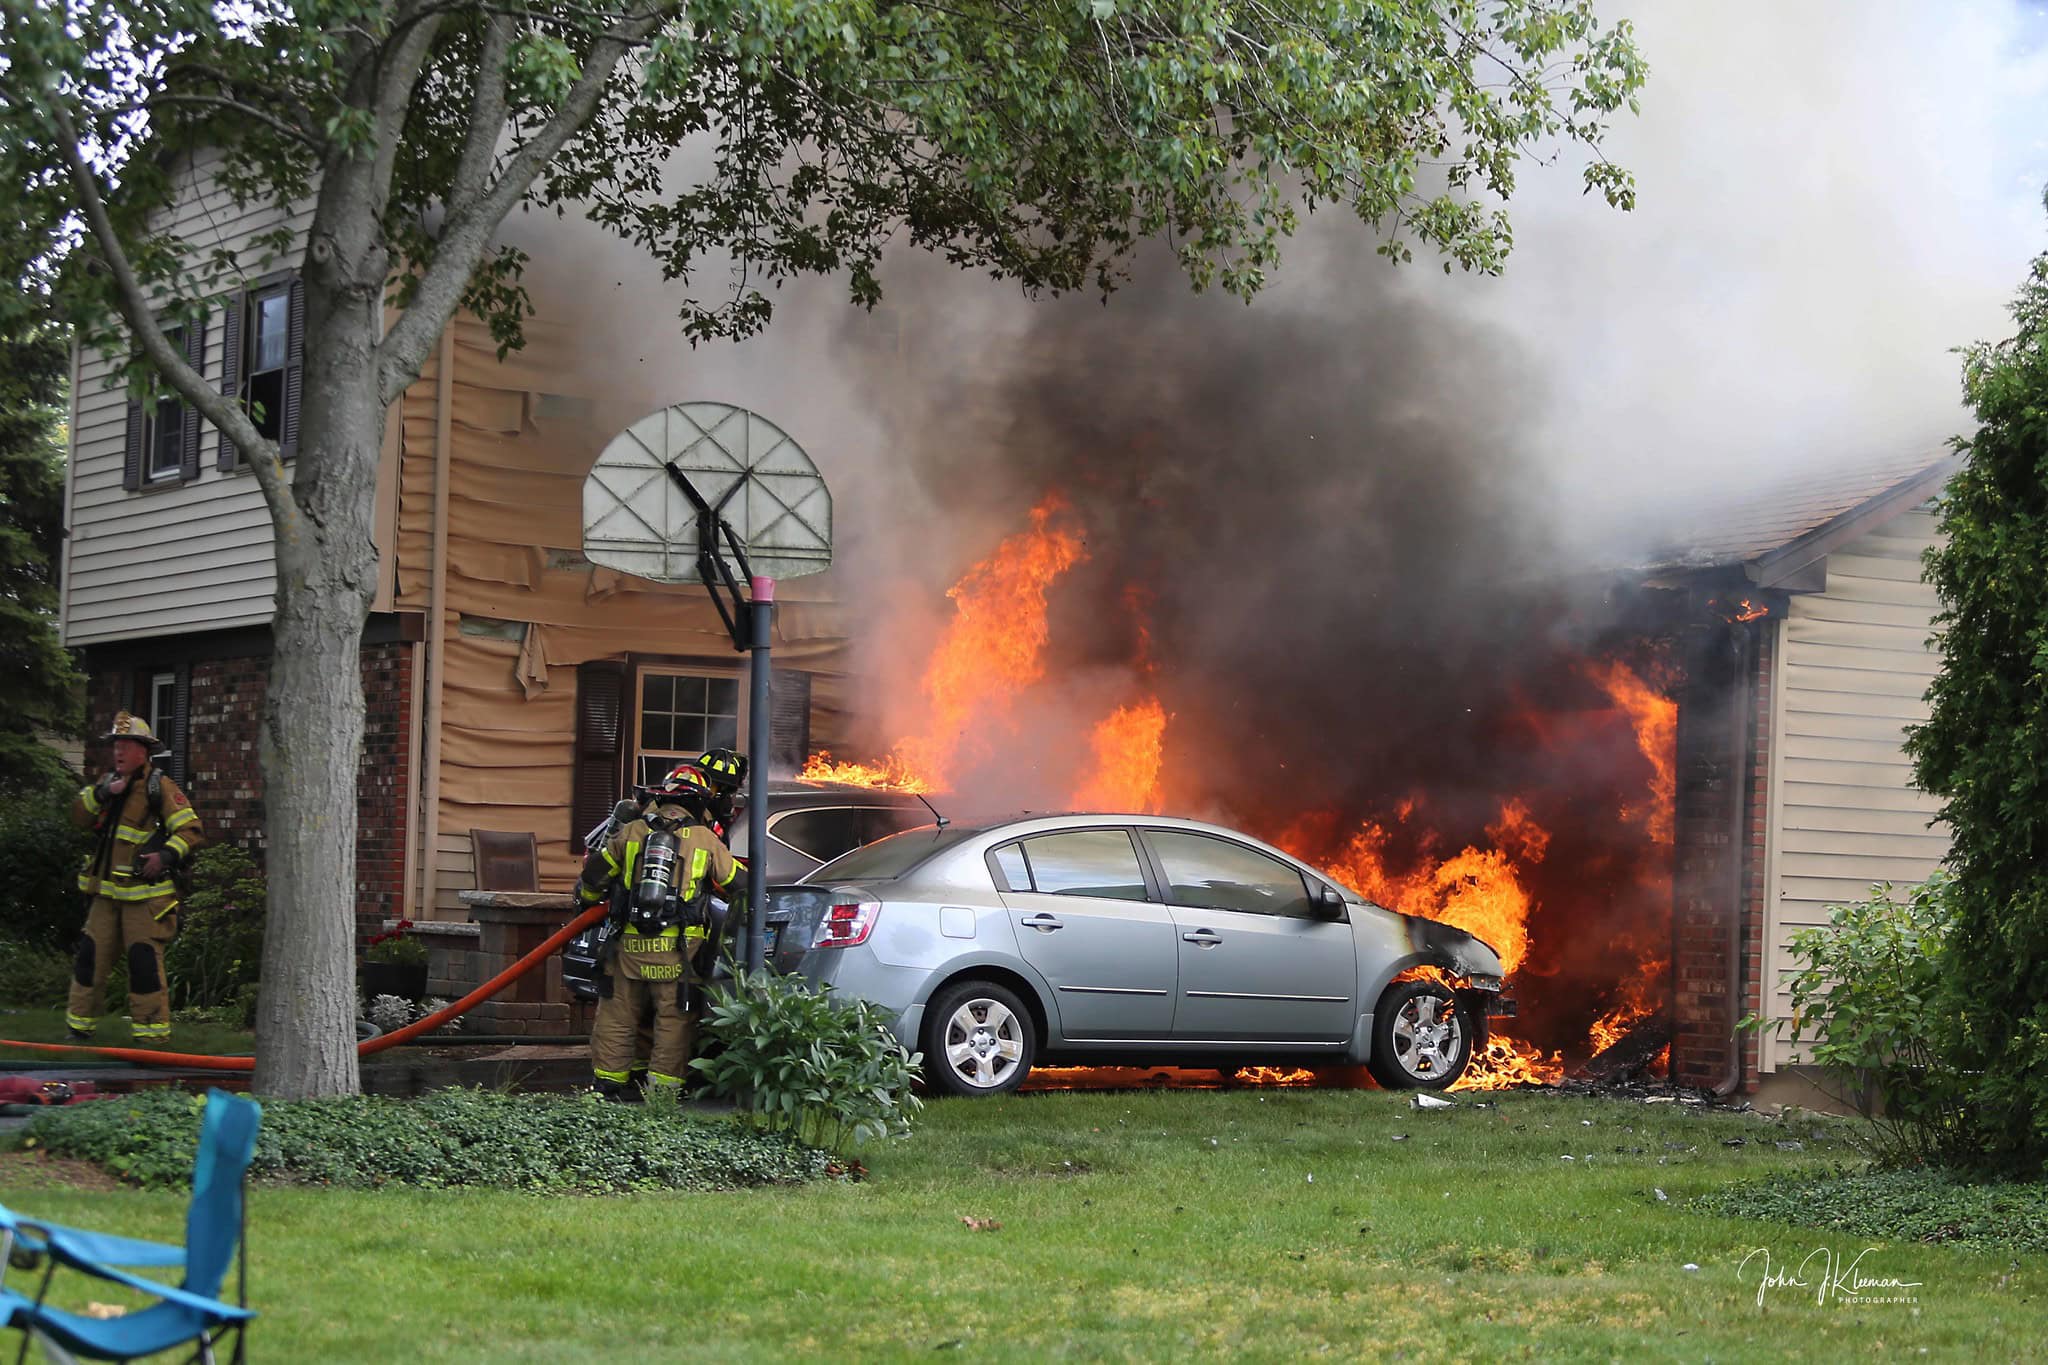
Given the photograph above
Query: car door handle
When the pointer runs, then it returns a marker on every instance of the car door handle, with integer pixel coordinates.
(1043, 923)
(1202, 938)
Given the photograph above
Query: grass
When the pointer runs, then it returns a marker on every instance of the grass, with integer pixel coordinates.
(1132, 1226)
(47, 1026)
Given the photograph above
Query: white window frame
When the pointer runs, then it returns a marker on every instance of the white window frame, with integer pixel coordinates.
(637, 774)
(163, 704)
(162, 400)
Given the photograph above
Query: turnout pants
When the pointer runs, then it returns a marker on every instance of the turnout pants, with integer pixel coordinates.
(134, 931)
(638, 979)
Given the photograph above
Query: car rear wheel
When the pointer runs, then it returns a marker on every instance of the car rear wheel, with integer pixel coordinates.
(978, 1039)
(1419, 1039)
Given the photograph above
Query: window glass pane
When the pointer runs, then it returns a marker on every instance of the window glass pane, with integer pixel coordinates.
(891, 857)
(653, 768)
(690, 734)
(657, 731)
(270, 323)
(657, 691)
(166, 438)
(690, 694)
(163, 704)
(823, 834)
(724, 696)
(1215, 874)
(1086, 862)
(1012, 874)
(878, 822)
(723, 732)
(266, 403)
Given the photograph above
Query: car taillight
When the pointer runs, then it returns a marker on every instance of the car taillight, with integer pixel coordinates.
(847, 924)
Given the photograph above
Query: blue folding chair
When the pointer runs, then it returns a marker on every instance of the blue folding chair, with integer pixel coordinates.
(193, 1313)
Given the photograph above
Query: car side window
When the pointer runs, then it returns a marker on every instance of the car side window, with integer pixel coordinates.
(1086, 862)
(823, 833)
(1011, 872)
(879, 822)
(1215, 874)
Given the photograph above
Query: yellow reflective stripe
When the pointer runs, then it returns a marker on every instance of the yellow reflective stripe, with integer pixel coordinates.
(84, 1023)
(604, 1075)
(126, 891)
(129, 834)
(700, 858)
(609, 860)
(152, 1030)
(696, 933)
(182, 848)
(165, 911)
(632, 858)
(661, 1078)
(180, 818)
(91, 798)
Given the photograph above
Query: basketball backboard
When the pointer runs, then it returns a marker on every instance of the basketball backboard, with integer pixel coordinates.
(638, 519)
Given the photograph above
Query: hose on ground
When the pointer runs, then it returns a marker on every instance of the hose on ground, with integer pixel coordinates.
(194, 1061)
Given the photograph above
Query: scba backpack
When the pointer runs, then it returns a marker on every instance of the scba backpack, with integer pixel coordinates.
(181, 875)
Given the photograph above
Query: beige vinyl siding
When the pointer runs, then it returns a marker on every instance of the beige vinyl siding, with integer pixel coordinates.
(1852, 668)
(179, 558)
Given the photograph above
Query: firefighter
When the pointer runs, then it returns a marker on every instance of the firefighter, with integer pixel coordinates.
(146, 831)
(669, 863)
(726, 771)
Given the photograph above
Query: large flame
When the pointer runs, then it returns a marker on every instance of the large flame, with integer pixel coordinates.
(1654, 717)
(1128, 746)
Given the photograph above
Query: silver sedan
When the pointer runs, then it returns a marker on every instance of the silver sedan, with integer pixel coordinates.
(1131, 940)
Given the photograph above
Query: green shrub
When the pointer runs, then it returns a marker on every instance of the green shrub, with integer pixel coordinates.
(40, 854)
(219, 947)
(549, 1143)
(32, 976)
(1867, 1001)
(803, 1061)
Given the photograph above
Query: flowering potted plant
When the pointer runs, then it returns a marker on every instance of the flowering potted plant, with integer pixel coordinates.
(395, 963)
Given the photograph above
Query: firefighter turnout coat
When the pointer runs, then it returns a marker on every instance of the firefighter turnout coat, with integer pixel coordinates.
(650, 967)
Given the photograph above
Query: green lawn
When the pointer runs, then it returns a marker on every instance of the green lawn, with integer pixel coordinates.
(47, 1026)
(1150, 1225)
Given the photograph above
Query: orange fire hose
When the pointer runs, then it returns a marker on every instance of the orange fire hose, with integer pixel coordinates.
(199, 1062)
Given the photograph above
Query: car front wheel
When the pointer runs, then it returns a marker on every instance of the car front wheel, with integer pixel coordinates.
(1419, 1040)
(978, 1039)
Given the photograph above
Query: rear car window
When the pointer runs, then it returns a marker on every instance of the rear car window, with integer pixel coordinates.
(1215, 874)
(824, 833)
(878, 822)
(892, 857)
(1085, 862)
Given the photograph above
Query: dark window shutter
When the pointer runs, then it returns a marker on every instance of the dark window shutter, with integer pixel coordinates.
(188, 439)
(600, 716)
(231, 367)
(294, 369)
(180, 738)
(131, 466)
(789, 720)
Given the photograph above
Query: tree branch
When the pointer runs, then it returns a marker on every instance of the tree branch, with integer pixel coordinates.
(468, 232)
(486, 116)
(133, 302)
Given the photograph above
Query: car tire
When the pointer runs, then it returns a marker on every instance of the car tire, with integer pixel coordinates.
(1420, 1040)
(979, 1039)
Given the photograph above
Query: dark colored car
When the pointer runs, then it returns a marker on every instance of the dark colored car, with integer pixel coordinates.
(809, 824)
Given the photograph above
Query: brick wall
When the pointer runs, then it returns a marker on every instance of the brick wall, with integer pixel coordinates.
(1757, 823)
(1718, 821)
(226, 708)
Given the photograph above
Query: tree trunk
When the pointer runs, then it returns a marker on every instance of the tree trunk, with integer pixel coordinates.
(312, 735)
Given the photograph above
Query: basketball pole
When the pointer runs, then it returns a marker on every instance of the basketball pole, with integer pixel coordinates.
(759, 736)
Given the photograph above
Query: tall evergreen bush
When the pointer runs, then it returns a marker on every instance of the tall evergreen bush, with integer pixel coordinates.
(1984, 751)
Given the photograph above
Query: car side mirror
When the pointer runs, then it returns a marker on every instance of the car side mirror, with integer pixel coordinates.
(1329, 902)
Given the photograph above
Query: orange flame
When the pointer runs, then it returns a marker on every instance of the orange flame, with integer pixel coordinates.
(1655, 720)
(995, 647)
(1127, 746)
(824, 768)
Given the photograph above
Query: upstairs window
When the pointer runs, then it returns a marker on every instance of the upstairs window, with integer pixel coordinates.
(163, 429)
(263, 364)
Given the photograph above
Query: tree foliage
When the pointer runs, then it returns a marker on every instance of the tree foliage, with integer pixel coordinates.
(739, 143)
(1984, 750)
(40, 691)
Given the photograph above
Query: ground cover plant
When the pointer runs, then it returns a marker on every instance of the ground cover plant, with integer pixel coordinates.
(1256, 1224)
(1924, 1205)
(448, 1138)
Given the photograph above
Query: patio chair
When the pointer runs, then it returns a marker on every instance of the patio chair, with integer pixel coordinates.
(192, 1314)
(505, 861)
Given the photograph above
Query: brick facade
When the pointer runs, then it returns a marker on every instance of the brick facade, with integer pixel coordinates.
(226, 678)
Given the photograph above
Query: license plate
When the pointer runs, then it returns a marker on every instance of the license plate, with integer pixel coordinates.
(770, 936)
